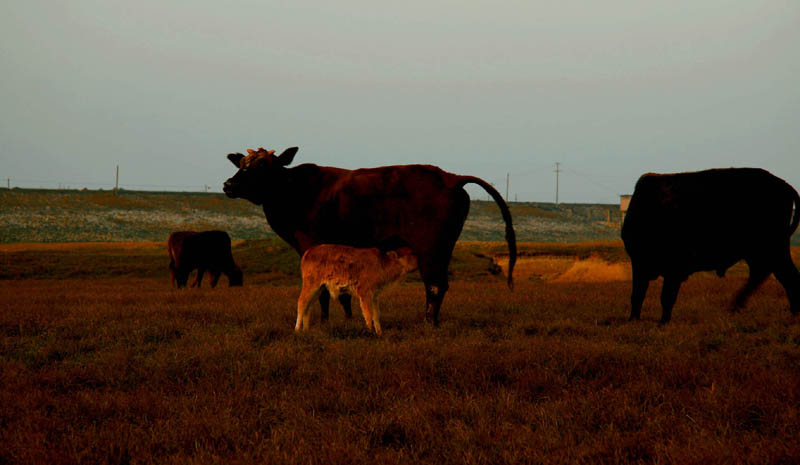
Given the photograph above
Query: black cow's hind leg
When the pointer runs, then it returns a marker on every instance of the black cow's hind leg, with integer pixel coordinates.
(214, 278)
(181, 277)
(640, 284)
(172, 272)
(198, 281)
(789, 278)
(669, 294)
(346, 301)
(758, 274)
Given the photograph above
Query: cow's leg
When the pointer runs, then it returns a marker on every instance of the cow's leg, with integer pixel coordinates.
(181, 277)
(172, 273)
(434, 275)
(307, 295)
(758, 274)
(199, 279)
(639, 291)
(215, 277)
(346, 302)
(434, 295)
(366, 300)
(324, 303)
(789, 278)
(669, 294)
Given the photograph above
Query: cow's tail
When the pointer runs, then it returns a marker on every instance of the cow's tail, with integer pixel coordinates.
(796, 219)
(511, 237)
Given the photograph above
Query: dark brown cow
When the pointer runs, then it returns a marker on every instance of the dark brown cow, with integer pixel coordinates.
(208, 250)
(419, 206)
(678, 224)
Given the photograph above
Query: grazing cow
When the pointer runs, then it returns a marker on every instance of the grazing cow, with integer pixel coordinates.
(208, 250)
(678, 224)
(419, 206)
(343, 269)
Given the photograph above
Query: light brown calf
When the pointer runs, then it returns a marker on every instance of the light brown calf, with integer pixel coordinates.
(343, 269)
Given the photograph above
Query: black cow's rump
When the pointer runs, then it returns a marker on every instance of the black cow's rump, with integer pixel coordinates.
(208, 250)
(678, 224)
(420, 206)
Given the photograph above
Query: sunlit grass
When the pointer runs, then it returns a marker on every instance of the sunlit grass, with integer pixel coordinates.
(122, 368)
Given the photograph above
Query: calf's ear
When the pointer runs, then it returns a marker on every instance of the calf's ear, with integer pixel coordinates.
(392, 254)
(287, 156)
(235, 158)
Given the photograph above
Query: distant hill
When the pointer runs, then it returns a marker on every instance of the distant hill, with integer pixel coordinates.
(34, 215)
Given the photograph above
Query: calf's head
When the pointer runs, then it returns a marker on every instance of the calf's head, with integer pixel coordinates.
(258, 170)
(235, 277)
(405, 257)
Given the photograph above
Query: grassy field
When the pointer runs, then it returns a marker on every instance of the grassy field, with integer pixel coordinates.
(102, 362)
(32, 215)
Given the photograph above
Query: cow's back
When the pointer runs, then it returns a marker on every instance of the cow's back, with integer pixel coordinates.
(210, 249)
(374, 206)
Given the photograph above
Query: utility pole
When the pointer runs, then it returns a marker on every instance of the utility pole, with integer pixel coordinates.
(558, 170)
(507, 176)
(116, 182)
(9, 183)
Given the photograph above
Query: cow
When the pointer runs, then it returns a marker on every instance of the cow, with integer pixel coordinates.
(350, 270)
(419, 206)
(678, 224)
(207, 250)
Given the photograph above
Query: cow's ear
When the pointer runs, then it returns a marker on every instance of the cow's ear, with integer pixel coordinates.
(236, 158)
(287, 156)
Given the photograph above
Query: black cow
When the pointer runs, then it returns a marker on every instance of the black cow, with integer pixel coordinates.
(419, 206)
(208, 250)
(678, 224)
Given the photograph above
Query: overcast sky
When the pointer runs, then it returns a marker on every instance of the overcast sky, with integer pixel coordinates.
(609, 89)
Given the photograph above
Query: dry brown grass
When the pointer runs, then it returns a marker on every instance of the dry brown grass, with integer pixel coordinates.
(124, 369)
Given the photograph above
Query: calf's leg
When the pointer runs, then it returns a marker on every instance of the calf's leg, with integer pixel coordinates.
(325, 301)
(346, 301)
(324, 304)
(307, 295)
(366, 300)
(376, 315)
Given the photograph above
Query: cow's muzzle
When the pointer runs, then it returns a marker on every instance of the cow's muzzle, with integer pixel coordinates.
(228, 189)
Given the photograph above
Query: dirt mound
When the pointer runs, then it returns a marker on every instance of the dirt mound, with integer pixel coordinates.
(594, 270)
(566, 269)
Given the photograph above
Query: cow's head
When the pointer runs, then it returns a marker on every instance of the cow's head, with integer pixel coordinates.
(257, 171)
